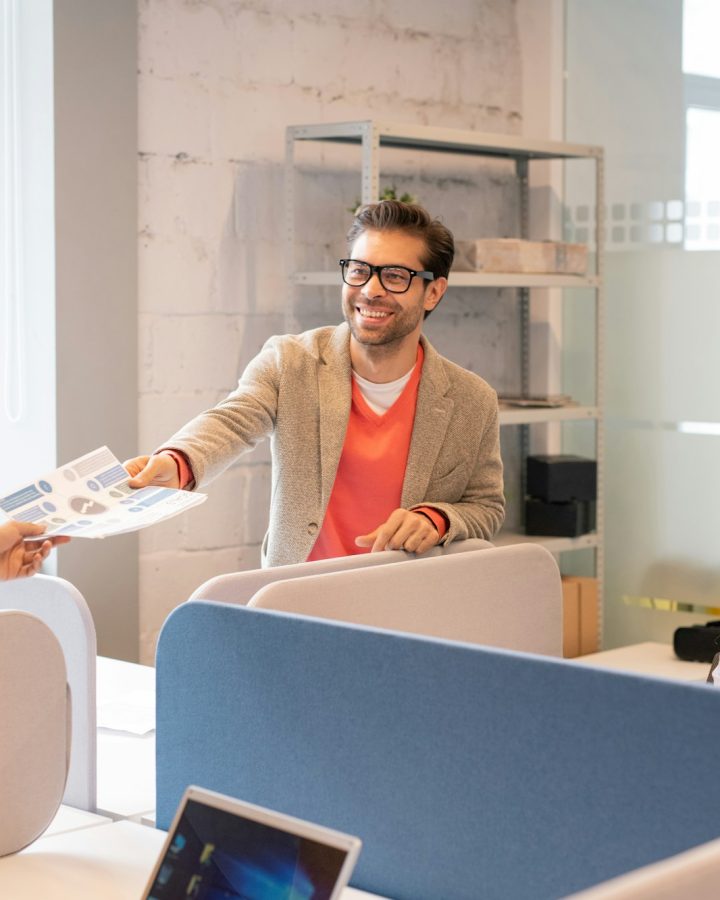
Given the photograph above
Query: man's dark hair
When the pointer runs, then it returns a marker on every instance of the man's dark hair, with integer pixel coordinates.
(393, 215)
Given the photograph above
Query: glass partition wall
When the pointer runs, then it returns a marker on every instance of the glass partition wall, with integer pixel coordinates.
(643, 81)
(27, 248)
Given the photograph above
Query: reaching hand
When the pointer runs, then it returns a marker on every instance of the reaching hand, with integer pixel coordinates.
(159, 469)
(20, 558)
(404, 530)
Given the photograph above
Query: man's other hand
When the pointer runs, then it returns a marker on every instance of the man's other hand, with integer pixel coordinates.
(159, 469)
(404, 530)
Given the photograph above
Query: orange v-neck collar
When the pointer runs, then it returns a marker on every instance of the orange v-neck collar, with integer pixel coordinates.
(363, 408)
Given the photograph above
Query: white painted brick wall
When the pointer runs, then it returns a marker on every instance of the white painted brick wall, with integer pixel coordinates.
(219, 80)
(170, 577)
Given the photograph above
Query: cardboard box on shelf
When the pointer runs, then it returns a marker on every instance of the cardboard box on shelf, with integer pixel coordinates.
(571, 618)
(514, 255)
(580, 616)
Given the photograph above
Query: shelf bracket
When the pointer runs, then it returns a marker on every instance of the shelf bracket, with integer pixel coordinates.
(370, 188)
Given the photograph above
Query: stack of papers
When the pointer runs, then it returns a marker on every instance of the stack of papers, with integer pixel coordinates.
(548, 401)
(90, 497)
(134, 712)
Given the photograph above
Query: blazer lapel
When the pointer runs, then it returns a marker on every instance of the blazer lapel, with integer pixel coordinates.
(334, 396)
(432, 418)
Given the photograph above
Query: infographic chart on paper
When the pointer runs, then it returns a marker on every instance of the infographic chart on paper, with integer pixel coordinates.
(90, 497)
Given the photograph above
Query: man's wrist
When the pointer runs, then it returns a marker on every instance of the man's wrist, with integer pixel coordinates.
(186, 478)
(437, 518)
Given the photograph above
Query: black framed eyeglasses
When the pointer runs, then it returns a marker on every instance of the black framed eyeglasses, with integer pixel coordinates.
(396, 279)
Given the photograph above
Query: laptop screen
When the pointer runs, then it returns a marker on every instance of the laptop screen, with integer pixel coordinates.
(243, 851)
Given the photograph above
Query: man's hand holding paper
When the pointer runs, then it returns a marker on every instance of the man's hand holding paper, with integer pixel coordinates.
(159, 469)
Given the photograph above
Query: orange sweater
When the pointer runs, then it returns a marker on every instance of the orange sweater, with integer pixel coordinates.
(369, 479)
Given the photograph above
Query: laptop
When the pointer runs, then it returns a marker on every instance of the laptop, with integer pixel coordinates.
(220, 848)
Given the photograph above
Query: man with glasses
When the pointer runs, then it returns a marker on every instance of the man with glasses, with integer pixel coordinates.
(378, 442)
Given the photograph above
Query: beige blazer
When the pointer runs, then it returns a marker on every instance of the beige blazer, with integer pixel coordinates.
(297, 391)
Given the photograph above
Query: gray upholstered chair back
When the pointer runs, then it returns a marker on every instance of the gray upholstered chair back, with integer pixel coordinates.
(35, 716)
(694, 873)
(508, 597)
(239, 587)
(63, 609)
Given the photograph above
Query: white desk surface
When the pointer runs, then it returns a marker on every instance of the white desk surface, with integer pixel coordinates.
(125, 761)
(68, 818)
(110, 861)
(647, 659)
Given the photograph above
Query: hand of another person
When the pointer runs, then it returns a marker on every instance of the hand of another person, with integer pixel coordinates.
(160, 469)
(404, 530)
(20, 558)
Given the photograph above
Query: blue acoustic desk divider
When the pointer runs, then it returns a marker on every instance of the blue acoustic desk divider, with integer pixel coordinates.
(467, 772)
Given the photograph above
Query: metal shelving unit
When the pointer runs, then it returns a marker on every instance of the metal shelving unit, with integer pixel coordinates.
(371, 136)
(553, 544)
(535, 416)
(468, 279)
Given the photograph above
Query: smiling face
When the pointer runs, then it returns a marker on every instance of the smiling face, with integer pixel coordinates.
(384, 324)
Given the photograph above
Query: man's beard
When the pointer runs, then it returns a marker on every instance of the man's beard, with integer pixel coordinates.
(403, 322)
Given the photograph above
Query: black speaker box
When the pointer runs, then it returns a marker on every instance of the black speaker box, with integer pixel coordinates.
(569, 519)
(561, 478)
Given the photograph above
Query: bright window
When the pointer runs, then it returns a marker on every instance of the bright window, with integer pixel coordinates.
(701, 26)
(27, 261)
(702, 179)
(701, 67)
